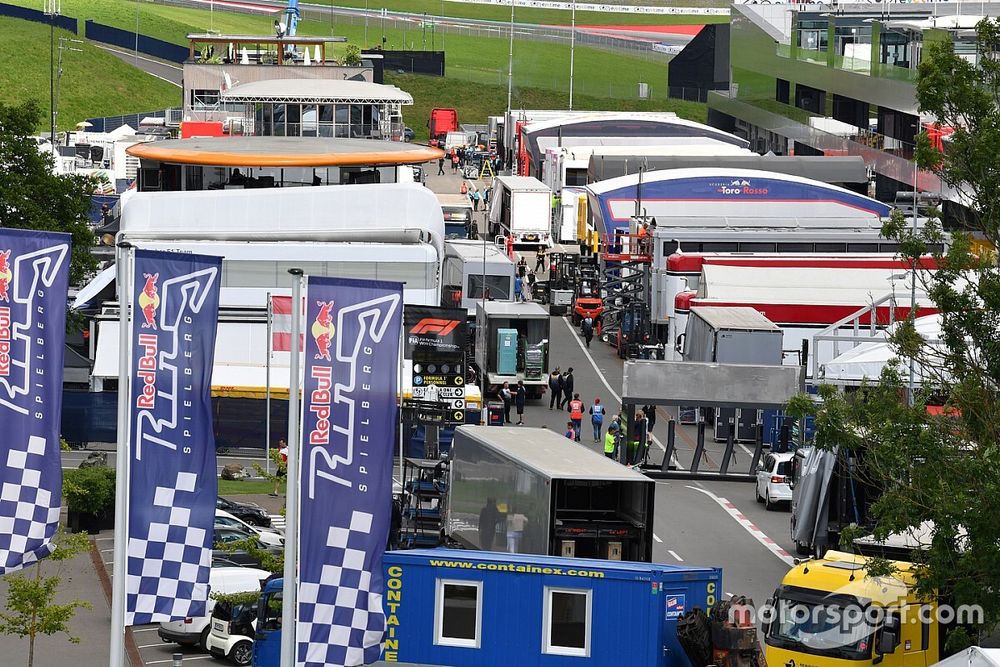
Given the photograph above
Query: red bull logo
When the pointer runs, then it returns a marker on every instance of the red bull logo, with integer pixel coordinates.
(149, 300)
(323, 330)
(6, 276)
(5, 335)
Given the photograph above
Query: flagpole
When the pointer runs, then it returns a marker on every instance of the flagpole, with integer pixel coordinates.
(267, 391)
(123, 264)
(290, 590)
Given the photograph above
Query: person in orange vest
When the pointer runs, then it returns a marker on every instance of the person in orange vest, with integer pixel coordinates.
(576, 415)
(464, 189)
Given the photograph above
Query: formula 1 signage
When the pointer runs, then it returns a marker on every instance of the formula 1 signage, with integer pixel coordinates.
(436, 340)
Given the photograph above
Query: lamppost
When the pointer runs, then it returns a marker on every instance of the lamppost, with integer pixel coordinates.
(63, 46)
(52, 10)
(510, 59)
(572, 52)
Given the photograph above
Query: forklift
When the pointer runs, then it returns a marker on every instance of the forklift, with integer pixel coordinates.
(587, 300)
(633, 337)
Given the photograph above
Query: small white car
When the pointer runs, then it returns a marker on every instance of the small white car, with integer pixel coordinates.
(772, 479)
(267, 536)
(232, 630)
(193, 631)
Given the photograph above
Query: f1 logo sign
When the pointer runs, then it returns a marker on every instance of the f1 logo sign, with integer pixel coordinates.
(434, 326)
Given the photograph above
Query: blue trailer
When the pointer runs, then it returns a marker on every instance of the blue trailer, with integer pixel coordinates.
(453, 607)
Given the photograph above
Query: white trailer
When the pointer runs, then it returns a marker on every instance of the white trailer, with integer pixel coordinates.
(520, 207)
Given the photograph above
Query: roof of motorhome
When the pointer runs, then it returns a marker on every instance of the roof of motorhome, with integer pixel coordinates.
(514, 309)
(605, 165)
(522, 182)
(549, 453)
(317, 91)
(453, 200)
(473, 251)
(735, 317)
(283, 152)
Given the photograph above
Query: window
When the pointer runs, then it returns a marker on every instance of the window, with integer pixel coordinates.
(499, 287)
(458, 613)
(204, 99)
(566, 618)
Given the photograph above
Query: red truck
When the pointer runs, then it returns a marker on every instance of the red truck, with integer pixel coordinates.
(442, 121)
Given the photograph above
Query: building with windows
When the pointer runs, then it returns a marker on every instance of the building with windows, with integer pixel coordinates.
(811, 80)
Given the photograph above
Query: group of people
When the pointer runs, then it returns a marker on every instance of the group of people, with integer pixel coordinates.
(460, 156)
(636, 446)
(513, 396)
(524, 282)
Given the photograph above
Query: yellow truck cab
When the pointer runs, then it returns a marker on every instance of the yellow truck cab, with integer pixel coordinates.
(828, 612)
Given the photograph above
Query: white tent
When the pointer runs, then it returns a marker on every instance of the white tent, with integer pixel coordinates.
(867, 360)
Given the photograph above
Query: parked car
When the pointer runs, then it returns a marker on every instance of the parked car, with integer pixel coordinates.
(252, 513)
(232, 631)
(193, 631)
(239, 556)
(408, 134)
(772, 480)
(268, 536)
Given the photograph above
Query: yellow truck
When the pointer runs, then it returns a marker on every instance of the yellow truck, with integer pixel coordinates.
(828, 612)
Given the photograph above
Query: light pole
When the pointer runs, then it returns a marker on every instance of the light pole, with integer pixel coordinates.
(913, 282)
(52, 8)
(63, 41)
(137, 33)
(572, 52)
(510, 58)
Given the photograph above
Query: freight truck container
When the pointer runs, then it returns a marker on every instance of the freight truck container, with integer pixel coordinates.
(512, 344)
(483, 609)
(521, 208)
(726, 335)
(532, 491)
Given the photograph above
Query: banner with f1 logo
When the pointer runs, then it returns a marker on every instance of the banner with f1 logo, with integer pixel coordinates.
(172, 469)
(34, 279)
(352, 340)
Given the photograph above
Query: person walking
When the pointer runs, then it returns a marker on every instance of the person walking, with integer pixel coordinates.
(540, 258)
(576, 414)
(520, 396)
(555, 388)
(454, 161)
(518, 289)
(522, 267)
(475, 200)
(531, 285)
(587, 326)
(650, 412)
(507, 399)
(611, 440)
(570, 433)
(638, 444)
(464, 189)
(597, 419)
(567, 387)
(441, 166)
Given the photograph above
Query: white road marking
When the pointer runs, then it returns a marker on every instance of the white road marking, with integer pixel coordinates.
(104, 539)
(748, 525)
(676, 557)
(658, 540)
(586, 352)
(186, 659)
(149, 646)
(104, 551)
(145, 629)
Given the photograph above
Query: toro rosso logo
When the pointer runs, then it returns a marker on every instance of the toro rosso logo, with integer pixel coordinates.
(739, 186)
(25, 282)
(434, 326)
(149, 300)
(323, 330)
(340, 408)
(6, 276)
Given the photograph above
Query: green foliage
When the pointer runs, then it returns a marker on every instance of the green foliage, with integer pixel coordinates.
(352, 55)
(942, 472)
(271, 562)
(89, 490)
(32, 197)
(31, 609)
(233, 599)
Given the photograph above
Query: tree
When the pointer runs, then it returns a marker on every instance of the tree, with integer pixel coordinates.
(942, 471)
(352, 55)
(33, 197)
(31, 608)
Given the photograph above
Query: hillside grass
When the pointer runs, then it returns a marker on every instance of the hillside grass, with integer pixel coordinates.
(94, 82)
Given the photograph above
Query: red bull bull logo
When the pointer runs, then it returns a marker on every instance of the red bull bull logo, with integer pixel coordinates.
(6, 276)
(323, 330)
(149, 300)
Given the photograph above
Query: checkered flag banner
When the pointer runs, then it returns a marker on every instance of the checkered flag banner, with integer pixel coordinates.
(34, 274)
(172, 473)
(352, 344)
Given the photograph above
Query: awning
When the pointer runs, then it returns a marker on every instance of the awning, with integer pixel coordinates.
(90, 291)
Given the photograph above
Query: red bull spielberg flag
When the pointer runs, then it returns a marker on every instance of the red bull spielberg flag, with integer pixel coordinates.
(172, 471)
(34, 280)
(352, 339)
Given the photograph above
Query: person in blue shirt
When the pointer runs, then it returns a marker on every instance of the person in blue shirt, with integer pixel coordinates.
(597, 418)
(518, 288)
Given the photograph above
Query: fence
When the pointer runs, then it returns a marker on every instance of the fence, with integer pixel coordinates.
(128, 40)
(415, 62)
(13, 11)
(111, 123)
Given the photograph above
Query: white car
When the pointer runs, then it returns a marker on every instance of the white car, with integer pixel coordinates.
(193, 631)
(267, 536)
(772, 479)
(232, 630)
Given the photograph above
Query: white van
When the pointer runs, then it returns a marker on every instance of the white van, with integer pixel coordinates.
(193, 631)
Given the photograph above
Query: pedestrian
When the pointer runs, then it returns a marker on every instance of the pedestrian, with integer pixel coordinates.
(464, 189)
(555, 388)
(597, 418)
(531, 284)
(441, 166)
(570, 433)
(576, 415)
(567, 386)
(522, 267)
(507, 399)
(519, 399)
(540, 258)
(637, 446)
(486, 197)
(280, 472)
(518, 289)
(454, 161)
(611, 440)
(587, 326)
(650, 412)
(475, 200)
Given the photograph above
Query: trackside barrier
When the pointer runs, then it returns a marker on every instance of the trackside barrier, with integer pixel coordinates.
(127, 40)
(14, 11)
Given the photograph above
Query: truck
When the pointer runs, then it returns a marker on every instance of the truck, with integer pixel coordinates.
(512, 344)
(532, 491)
(467, 265)
(521, 208)
(485, 609)
(441, 122)
(732, 335)
(457, 212)
(830, 612)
